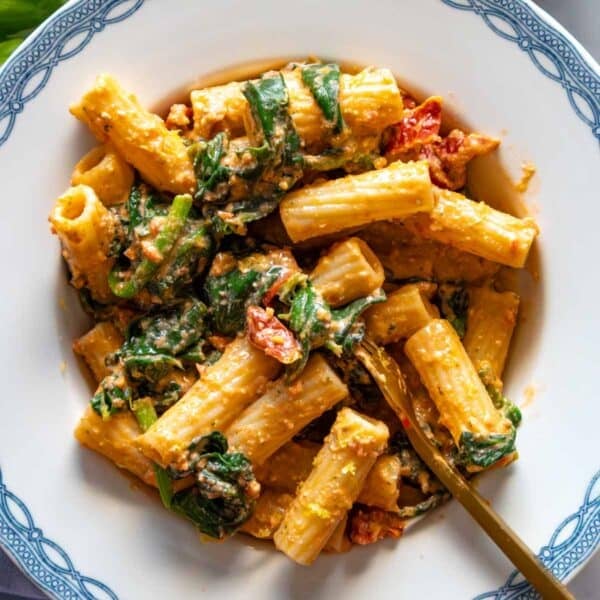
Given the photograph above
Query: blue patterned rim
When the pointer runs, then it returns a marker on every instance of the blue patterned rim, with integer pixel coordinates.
(26, 74)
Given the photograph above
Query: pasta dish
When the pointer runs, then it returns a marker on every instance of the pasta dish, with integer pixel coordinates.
(232, 256)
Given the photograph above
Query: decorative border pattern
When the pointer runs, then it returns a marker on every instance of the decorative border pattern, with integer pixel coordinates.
(61, 37)
(66, 34)
(41, 558)
(565, 551)
(551, 52)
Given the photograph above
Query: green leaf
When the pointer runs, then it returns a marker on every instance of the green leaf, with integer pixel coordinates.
(17, 15)
(316, 324)
(260, 174)
(323, 80)
(127, 283)
(207, 165)
(155, 341)
(268, 100)
(187, 259)
(232, 293)
(485, 450)
(7, 47)
(224, 494)
(113, 395)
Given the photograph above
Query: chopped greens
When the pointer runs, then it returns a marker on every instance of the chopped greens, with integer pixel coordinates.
(484, 450)
(156, 341)
(239, 184)
(127, 283)
(323, 80)
(159, 347)
(225, 488)
(231, 294)
(317, 325)
(112, 396)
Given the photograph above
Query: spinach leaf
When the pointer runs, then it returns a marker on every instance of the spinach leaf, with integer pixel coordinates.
(207, 165)
(323, 80)
(484, 450)
(317, 325)
(225, 488)
(155, 341)
(240, 184)
(268, 100)
(126, 283)
(230, 295)
(157, 345)
(187, 259)
(112, 396)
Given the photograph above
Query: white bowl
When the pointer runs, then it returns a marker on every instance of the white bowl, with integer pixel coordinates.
(81, 530)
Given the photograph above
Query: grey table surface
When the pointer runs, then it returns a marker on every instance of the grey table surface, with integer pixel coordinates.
(582, 19)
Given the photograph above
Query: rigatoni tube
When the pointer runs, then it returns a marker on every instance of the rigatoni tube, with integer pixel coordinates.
(480, 431)
(106, 172)
(341, 467)
(225, 389)
(382, 486)
(85, 229)
(268, 514)
(114, 439)
(219, 108)
(397, 191)
(477, 228)
(347, 271)
(284, 409)
(491, 320)
(289, 466)
(95, 345)
(292, 464)
(141, 138)
(405, 311)
(370, 101)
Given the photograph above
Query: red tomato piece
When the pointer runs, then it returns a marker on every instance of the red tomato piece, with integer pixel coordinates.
(269, 334)
(420, 125)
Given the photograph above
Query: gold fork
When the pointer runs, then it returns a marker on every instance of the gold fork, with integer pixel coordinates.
(387, 376)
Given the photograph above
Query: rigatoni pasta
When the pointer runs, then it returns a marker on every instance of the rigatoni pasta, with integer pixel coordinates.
(396, 191)
(347, 271)
(107, 173)
(340, 470)
(477, 228)
(233, 257)
(479, 429)
(85, 228)
(96, 345)
(267, 424)
(369, 102)
(140, 137)
(214, 401)
(491, 321)
(405, 311)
